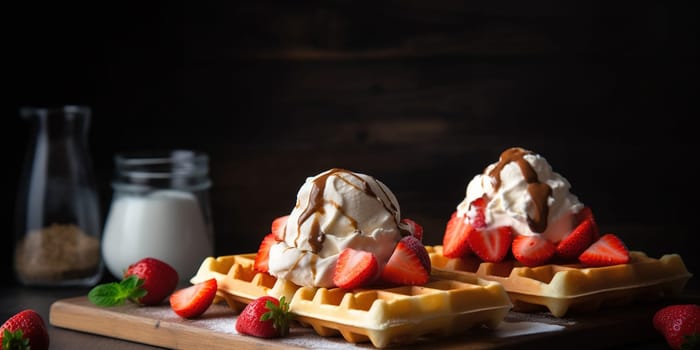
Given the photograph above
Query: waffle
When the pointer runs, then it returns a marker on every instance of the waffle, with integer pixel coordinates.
(400, 314)
(572, 287)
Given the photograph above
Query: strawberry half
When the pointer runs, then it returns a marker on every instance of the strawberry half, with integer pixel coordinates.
(265, 317)
(532, 250)
(578, 240)
(607, 250)
(278, 226)
(192, 301)
(415, 229)
(491, 245)
(262, 258)
(455, 242)
(409, 264)
(355, 268)
(24, 330)
(478, 206)
(587, 214)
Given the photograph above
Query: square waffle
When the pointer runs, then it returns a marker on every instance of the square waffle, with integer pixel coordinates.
(561, 288)
(400, 314)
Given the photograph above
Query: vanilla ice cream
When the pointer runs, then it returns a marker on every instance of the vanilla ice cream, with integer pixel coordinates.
(334, 210)
(522, 191)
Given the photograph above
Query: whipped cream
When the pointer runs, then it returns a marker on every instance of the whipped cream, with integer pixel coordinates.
(334, 210)
(523, 192)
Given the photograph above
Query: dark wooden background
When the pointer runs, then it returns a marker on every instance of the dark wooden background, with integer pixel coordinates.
(420, 94)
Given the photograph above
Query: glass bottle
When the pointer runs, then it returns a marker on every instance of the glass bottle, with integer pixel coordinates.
(160, 208)
(58, 224)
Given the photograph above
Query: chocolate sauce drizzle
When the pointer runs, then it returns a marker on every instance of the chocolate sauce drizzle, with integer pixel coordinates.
(316, 202)
(538, 191)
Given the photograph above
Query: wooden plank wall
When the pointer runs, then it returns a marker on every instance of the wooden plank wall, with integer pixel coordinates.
(420, 94)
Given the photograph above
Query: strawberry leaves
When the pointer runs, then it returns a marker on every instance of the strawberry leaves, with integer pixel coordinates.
(115, 293)
(14, 340)
(280, 316)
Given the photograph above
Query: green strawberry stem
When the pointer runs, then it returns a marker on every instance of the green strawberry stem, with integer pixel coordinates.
(691, 341)
(280, 316)
(14, 340)
(115, 293)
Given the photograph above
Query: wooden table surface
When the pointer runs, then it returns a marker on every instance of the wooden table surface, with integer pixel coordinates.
(13, 299)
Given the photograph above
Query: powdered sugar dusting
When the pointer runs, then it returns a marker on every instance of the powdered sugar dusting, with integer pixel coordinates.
(512, 329)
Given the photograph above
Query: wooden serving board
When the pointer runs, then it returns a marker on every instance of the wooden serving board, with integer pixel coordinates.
(160, 326)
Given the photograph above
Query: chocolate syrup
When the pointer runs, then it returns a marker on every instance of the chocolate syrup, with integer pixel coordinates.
(538, 191)
(316, 202)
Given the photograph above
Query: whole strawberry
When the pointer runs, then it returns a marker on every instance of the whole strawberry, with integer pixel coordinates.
(146, 282)
(265, 317)
(679, 324)
(24, 330)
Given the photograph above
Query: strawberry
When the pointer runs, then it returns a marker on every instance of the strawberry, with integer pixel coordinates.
(607, 250)
(679, 324)
(408, 264)
(415, 229)
(477, 206)
(146, 282)
(192, 301)
(491, 245)
(159, 279)
(355, 268)
(454, 242)
(532, 250)
(587, 214)
(578, 240)
(278, 226)
(265, 317)
(24, 330)
(263, 256)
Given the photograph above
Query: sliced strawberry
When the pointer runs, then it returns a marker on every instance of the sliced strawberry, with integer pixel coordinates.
(607, 250)
(578, 240)
(414, 227)
(263, 256)
(491, 245)
(355, 268)
(192, 301)
(409, 264)
(278, 226)
(454, 242)
(587, 214)
(532, 250)
(417, 246)
(478, 221)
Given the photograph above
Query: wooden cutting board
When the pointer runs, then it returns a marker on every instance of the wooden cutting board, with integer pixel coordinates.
(160, 326)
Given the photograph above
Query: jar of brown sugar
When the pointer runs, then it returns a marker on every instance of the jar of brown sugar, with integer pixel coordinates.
(58, 224)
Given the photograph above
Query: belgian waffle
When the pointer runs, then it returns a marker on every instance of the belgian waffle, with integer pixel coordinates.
(572, 287)
(400, 314)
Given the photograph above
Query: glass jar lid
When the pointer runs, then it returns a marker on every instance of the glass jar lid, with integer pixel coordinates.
(175, 169)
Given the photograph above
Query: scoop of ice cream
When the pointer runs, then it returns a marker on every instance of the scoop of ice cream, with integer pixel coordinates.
(334, 210)
(522, 191)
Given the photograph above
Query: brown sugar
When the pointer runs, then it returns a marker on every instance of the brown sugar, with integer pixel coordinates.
(55, 253)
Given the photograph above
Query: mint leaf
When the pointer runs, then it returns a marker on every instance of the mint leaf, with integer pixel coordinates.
(109, 294)
(132, 282)
(112, 294)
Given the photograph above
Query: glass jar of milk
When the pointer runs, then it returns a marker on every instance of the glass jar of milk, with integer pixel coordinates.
(160, 209)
